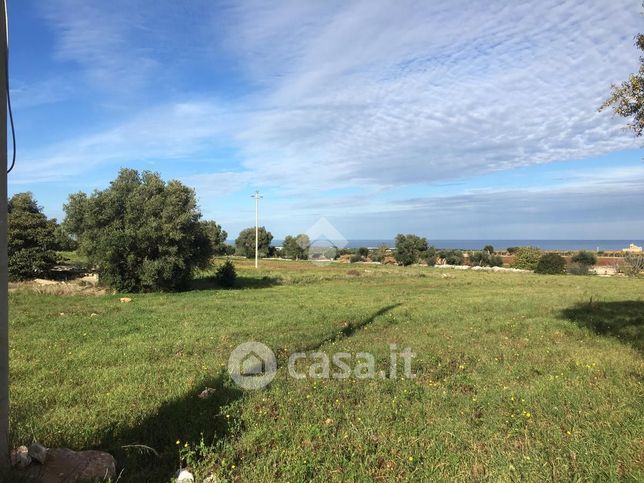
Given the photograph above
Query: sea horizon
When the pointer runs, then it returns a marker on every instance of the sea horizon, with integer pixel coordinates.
(499, 244)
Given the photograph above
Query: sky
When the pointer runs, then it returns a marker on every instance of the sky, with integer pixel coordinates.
(451, 120)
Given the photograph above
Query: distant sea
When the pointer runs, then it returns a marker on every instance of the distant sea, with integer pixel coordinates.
(503, 244)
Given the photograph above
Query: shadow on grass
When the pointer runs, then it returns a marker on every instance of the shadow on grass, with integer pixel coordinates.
(210, 283)
(623, 320)
(186, 419)
(348, 329)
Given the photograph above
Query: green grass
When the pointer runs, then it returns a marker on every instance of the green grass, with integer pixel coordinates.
(519, 376)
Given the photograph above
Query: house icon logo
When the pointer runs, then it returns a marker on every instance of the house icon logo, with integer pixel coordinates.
(252, 365)
(323, 241)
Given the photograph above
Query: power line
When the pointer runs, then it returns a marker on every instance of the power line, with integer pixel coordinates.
(6, 69)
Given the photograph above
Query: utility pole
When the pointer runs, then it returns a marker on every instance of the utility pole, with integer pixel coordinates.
(4, 284)
(257, 197)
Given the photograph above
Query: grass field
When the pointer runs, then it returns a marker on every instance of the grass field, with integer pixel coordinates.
(519, 376)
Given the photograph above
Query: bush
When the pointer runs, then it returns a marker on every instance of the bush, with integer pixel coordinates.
(379, 254)
(578, 269)
(141, 233)
(245, 242)
(485, 258)
(430, 256)
(31, 238)
(633, 264)
(489, 249)
(226, 274)
(526, 258)
(452, 257)
(551, 263)
(409, 248)
(585, 258)
(512, 250)
(356, 257)
(496, 261)
(363, 252)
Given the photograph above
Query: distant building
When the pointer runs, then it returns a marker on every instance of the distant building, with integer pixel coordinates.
(632, 248)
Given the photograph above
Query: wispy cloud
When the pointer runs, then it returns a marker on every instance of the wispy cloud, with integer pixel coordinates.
(169, 132)
(371, 96)
(386, 93)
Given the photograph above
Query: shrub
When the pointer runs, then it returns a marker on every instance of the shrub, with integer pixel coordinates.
(226, 274)
(512, 250)
(551, 263)
(31, 238)
(363, 252)
(245, 242)
(379, 254)
(526, 258)
(409, 248)
(141, 233)
(585, 258)
(452, 257)
(489, 249)
(577, 269)
(430, 256)
(485, 258)
(356, 257)
(633, 264)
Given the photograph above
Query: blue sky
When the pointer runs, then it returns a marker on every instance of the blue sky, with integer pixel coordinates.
(471, 120)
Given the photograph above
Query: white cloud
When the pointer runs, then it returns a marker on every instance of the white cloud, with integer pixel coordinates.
(369, 94)
(165, 133)
(390, 93)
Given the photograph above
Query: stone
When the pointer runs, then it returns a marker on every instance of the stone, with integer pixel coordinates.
(38, 452)
(20, 457)
(185, 477)
(67, 466)
(125, 300)
(207, 392)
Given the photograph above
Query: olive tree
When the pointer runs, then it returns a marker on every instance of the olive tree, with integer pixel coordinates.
(409, 248)
(245, 242)
(31, 238)
(140, 233)
(296, 247)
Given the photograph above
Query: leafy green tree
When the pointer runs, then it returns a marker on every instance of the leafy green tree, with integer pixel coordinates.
(627, 99)
(296, 247)
(526, 258)
(489, 249)
(64, 241)
(409, 248)
(216, 235)
(31, 238)
(585, 258)
(245, 242)
(551, 264)
(141, 233)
